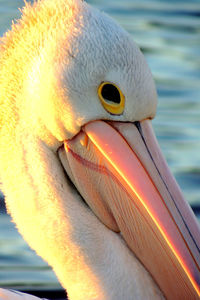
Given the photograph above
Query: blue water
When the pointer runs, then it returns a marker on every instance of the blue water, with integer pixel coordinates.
(168, 32)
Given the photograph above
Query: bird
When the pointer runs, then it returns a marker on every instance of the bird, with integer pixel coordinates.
(82, 173)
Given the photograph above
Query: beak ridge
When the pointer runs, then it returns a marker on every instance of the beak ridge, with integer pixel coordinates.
(142, 200)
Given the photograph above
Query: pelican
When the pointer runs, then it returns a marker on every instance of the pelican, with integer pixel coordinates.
(82, 173)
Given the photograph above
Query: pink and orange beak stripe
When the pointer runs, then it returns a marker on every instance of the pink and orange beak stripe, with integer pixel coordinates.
(134, 192)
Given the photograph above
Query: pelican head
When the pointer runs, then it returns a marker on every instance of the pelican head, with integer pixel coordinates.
(84, 179)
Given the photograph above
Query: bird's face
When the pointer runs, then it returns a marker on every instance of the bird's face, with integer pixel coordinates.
(116, 61)
(90, 56)
(91, 98)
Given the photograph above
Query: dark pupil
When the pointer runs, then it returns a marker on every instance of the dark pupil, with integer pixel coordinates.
(110, 93)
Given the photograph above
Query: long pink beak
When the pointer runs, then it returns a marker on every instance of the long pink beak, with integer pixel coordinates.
(119, 170)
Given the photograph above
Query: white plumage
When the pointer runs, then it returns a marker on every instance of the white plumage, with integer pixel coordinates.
(51, 65)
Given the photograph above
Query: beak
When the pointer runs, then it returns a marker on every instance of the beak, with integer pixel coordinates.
(120, 172)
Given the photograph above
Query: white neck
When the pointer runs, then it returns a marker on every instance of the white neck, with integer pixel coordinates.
(90, 261)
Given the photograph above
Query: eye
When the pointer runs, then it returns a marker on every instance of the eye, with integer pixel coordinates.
(111, 98)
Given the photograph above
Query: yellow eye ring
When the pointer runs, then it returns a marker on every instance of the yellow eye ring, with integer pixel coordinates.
(111, 97)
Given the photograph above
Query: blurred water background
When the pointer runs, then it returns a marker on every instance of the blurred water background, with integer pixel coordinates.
(168, 33)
